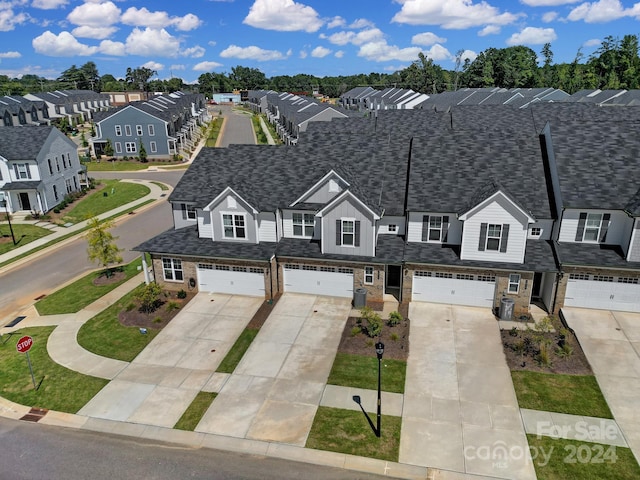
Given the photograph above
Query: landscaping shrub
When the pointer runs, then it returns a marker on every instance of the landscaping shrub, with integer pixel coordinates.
(181, 294)
(394, 319)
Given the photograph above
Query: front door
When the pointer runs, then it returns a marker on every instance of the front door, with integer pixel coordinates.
(25, 204)
(393, 278)
(537, 282)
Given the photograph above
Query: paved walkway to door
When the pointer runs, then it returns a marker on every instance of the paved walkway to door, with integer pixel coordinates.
(460, 408)
(611, 342)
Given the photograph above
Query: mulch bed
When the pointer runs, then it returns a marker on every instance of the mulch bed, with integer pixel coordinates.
(115, 277)
(518, 359)
(160, 317)
(361, 344)
(263, 313)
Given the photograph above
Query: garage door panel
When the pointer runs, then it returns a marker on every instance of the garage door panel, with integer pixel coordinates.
(234, 283)
(335, 284)
(603, 295)
(472, 293)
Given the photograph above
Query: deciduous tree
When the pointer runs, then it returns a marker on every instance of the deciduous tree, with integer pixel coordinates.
(102, 246)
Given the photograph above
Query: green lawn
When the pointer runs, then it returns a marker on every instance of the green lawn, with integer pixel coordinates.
(573, 394)
(362, 372)
(348, 431)
(105, 336)
(113, 195)
(77, 295)
(231, 360)
(192, 415)
(123, 166)
(560, 459)
(23, 233)
(59, 388)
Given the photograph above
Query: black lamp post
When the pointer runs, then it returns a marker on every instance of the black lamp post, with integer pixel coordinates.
(379, 352)
(3, 204)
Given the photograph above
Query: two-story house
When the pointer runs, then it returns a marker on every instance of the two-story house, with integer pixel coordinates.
(39, 165)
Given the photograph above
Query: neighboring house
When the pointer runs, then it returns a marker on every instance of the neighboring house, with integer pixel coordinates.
(166, 125)
(471, 206)
(18, 111)
(76, 106)
(38, 167)
(356, 98)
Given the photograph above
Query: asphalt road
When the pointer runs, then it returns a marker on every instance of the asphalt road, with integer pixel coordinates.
(42, 452)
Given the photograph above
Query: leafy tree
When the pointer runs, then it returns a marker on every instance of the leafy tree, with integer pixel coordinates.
(108, 148)
(142, 153)
(138, 78)
(149, 297)
(101, 244)
(247, 78)
(424, 76)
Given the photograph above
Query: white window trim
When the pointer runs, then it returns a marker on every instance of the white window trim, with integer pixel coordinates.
(303, 225)
(233, 217)
(192, 213)
(366, 274)
(130, 147)
(586, 227)
(486, 242)
(153, 147)
(514, 283)
(127, 130)
(152, 131)
(392, 228)
(118, 129)
(139, 130)
(118, 147)
(429, 229)
(538, 234)
(173, 269)
(353, 233)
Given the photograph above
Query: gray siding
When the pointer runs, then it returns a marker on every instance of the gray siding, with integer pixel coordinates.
(180, 219)
(634, 248)
(348, 209)
(239, 209)
(56, 146)
(133, 117)
(323, 194)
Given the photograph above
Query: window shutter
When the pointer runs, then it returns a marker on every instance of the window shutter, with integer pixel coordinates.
(580, 231)
(425, 228)
(184, 210)
(445, 228)
(356, 240)
(28, 170)
(505, 237)
(606, 218)
(338, 232)
(483, 237)
(15, 169)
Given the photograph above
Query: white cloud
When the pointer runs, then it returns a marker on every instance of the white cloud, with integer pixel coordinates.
(252, 53)
(532, 36)
(320, 52)
(153, 65)
(489, 30)
(194, 52)
(99, 33)
(95, 14)
(303, 54)
(10, 55)
(206, 66)
(549, 17)
(602, 11)
(177, 67)
(152, 42)
(547, 3)
(49, 4)
(283, 15)
(336, 22)
(452, 14)
(62, 45)
(212, 43)
(426, 39)
(359, 38)
(142, 17)
(437, 53)
(109, 47)
(594, 42)
(361, 23)
(339, 54)
(468, 54)
(9, 19)
(380, 51)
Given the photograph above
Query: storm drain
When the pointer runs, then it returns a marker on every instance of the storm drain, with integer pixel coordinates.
(34, 415)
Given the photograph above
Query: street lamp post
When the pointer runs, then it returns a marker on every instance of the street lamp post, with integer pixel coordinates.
(379, 352)
(3, 204)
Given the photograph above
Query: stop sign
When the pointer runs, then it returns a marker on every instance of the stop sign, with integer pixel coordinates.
(24, 344)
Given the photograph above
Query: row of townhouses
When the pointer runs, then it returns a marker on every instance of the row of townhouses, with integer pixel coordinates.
(467, 206)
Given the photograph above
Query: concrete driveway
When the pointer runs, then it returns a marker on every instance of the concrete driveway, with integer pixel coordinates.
(611, 342)
(274, 392)
(158, 386)
(460, 408)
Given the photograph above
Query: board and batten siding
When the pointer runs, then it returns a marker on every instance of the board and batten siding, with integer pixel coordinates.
(326, 192)
(414, 228)
(498, 212)
(267, 227)
(205, 229)
(618, 231)
(348, 208)
(634, 248)
(235, 207)
(399, 222)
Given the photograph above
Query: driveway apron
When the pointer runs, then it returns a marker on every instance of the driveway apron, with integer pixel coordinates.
(611, 342)
(274, 392)
(158, 386)
(460, 409)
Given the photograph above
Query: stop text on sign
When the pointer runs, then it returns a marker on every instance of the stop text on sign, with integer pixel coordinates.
(24, 344)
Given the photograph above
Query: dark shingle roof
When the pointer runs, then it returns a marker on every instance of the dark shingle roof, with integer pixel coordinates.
(584, 254)
(389, 249)
(23, 143)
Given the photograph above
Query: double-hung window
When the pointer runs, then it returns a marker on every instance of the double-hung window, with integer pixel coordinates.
(130, 147)
(435, 228)
(494, 234)
(348, 232)
(303, 224)
(514, 283)
(234, 226)
(139, 130)
(118, 130)
(22, 171)
(368, 275)
(127, 130)
(152, 131)
(153, 147)
(592, 227)
(172, 268)
(191, 212)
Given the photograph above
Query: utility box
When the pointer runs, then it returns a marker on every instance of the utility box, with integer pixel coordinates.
(360, 298)
(506, 308)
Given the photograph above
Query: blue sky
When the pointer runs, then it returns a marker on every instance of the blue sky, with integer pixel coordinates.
(285, 37)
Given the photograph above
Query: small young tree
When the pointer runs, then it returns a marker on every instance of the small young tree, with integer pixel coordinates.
(108, 148)
(143, 153)
(148, 297)
(102, 247)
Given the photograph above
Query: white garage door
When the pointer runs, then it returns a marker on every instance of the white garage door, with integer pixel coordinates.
(335, 282)
(230, 279)
(440, 287)
(603, 292)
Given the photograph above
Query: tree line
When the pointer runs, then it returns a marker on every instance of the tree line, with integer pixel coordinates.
(614, 65)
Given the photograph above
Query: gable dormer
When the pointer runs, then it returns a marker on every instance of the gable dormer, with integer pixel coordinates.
(324, 190)
(231, 218)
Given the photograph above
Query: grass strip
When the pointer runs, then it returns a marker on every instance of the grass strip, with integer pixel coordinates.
(163, 186)
(104, 335)
(77, 295)
(24, 233)
(192, 415)
(232, 359)
(122, 166)
(559, 459)
(59, 389)
(362, 372)
(573, 394)
(348, 431)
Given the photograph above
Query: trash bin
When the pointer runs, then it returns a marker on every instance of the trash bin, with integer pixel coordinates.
(360, 298)
(506, 308)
